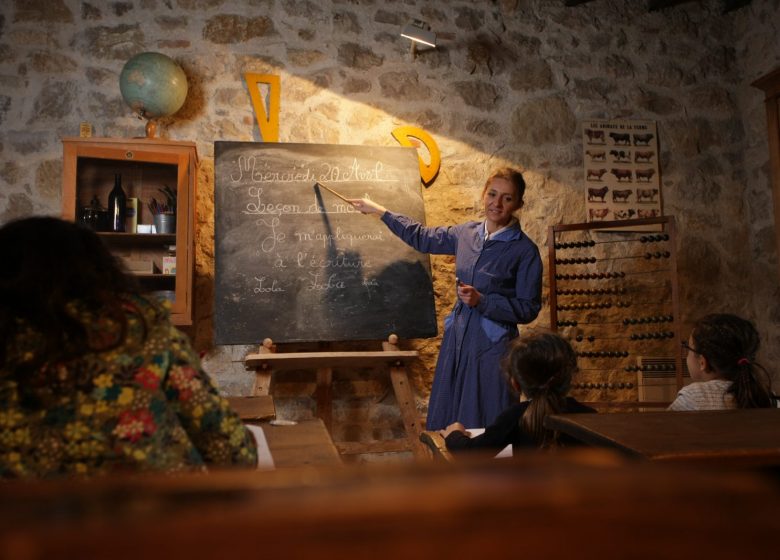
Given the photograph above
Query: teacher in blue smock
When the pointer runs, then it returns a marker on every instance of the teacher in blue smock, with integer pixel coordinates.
(499, 282)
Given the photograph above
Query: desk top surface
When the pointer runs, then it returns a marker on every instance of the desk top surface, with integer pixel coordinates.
(614, 511)
(253, 409)
(679, 435)
(306, 443)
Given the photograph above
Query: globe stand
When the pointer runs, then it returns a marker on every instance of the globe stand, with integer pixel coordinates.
(151, 128)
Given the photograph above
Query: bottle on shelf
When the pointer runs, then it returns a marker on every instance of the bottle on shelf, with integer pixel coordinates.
(117, 206)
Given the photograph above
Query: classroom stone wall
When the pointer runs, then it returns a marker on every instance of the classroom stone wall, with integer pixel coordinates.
(509, 84)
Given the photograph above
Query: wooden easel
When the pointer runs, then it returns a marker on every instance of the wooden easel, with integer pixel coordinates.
(267, 362)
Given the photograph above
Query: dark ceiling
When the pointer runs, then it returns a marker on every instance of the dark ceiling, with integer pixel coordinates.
(654, 5)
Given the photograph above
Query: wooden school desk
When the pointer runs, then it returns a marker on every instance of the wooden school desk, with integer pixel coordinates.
(734, 437)
(253, 409)
(306, 443)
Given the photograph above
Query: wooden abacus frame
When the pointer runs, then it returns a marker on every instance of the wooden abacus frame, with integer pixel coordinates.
(667, 224)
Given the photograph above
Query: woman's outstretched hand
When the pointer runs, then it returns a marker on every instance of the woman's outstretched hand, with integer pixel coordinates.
(367, 206)
(468, 294)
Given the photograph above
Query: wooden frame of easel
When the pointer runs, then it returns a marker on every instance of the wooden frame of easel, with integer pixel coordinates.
(267, 362)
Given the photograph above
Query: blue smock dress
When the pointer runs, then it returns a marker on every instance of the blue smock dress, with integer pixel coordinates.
(469, 385)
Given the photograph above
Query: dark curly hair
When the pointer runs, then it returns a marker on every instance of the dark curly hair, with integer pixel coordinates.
(729, 344)
(47, 264)
(542, 365)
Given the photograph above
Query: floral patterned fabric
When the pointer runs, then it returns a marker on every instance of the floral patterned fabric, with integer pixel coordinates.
(145, 405)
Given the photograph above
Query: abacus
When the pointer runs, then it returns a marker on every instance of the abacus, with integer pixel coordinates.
(614, 296)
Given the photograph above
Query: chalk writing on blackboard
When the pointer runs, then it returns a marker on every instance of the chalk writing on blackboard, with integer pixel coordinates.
(295, 263)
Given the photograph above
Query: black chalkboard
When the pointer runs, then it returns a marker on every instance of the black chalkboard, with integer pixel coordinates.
(296, 263)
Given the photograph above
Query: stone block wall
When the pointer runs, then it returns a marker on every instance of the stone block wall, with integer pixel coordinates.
(510, 83)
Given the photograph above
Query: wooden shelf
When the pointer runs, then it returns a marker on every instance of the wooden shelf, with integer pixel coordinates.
(138, 238)
(154, 275)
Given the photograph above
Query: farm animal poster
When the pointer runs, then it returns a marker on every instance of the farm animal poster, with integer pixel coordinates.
(621, 170)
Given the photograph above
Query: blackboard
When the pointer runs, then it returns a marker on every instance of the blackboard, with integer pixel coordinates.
(296, 263)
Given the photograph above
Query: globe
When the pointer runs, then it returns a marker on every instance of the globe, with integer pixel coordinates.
(153, 85)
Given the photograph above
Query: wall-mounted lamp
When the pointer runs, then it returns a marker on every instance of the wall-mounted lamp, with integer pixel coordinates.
(419, 32)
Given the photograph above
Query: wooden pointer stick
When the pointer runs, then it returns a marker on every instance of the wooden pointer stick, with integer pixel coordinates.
(342, 197)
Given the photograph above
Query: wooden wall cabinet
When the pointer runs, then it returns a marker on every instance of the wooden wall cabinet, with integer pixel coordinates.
(146, 165)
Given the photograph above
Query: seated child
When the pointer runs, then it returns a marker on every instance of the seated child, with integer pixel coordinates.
(540, 368)
(94, 377)
(722, 362)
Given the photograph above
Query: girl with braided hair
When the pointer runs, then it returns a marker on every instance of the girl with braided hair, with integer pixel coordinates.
(539, 367)
(721, 358)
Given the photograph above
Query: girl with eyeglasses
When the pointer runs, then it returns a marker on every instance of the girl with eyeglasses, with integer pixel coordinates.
(721, 359)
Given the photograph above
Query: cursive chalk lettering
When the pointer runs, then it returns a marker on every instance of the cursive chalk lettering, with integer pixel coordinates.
(341, 260)
(329, 239)
(318, 282)
(269, 243)
(262, 286)
(247, 167)
(354, 172)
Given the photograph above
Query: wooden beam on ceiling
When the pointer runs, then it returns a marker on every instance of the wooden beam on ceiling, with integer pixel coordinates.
(655, 5)
(731, 5)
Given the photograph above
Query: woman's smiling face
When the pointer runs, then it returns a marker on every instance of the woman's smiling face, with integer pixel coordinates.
(500, 201)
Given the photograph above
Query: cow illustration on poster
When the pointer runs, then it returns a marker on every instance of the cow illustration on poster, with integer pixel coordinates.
(621, 170)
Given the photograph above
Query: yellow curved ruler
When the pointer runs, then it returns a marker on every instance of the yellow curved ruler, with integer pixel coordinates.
(428, 171)
(268, 121)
